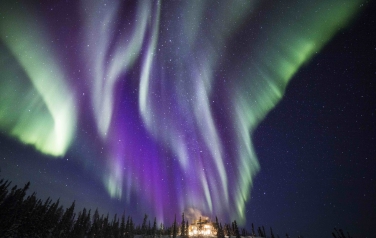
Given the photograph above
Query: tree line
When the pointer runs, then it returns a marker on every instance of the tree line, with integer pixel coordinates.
(28, 216)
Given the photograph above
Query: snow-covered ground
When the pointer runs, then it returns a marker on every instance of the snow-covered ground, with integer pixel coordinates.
(166, 236)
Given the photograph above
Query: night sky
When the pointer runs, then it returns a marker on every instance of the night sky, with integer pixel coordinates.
(259, 111)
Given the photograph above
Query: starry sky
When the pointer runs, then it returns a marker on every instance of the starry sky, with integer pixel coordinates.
(259, 111)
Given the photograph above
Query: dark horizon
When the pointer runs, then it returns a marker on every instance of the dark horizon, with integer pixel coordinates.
(23, 214)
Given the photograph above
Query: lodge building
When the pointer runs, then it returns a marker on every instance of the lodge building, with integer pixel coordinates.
(202, 227)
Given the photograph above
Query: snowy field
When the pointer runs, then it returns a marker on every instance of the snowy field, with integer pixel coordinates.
(166, 236)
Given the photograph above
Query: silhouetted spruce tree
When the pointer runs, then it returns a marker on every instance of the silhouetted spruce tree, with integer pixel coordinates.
(106, 228)
(244, 232)
(127, 226)
(154, 229)
(131, 229)
(37, 216)
(253, 230)
(340, 234)
(95, 226)
(183, 232)
(216, 227)
(148, 232)
(122, 226)
(115, 227)
(168, 231)
(271, 233)
(186, 229)
(79, 227)
(229, 230)
(144, 227)
(199, 227)
(3, 190)
(65, 225)
(84, 222)
(261, 232)
(76, 229)
(3, 211)
(236, 229)
(51, 218)
(161, 230)
(220, 232)
(174, 229)
(232, 228)
(102, 226)
(87, 222)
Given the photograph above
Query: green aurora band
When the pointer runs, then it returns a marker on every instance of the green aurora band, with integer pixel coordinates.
(36, 104)
(291, 42)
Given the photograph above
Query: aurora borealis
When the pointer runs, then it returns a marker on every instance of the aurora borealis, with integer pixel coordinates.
(155, 101)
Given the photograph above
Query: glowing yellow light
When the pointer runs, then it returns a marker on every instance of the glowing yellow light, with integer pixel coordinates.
(204, 227)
